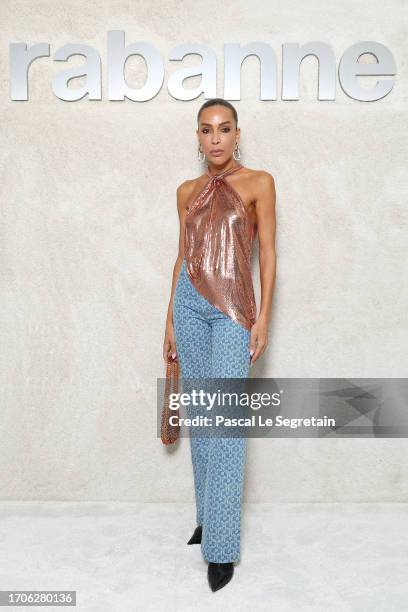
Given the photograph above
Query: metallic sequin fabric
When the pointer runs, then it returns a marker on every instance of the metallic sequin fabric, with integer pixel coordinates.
(218, 245)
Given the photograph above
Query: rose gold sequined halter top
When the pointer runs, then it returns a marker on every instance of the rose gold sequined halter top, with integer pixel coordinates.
(218, 245)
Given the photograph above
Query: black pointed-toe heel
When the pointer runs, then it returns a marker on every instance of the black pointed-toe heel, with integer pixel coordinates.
(219, 574)
(196, 537)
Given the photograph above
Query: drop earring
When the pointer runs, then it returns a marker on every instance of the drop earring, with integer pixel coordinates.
(237, 153)
(201, 159)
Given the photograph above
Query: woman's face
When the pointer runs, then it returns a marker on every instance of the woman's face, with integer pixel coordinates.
(217, 133)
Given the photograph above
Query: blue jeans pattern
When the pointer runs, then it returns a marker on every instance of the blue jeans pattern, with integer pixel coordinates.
(210, 344)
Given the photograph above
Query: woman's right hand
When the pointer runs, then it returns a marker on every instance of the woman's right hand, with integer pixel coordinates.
(169, 345)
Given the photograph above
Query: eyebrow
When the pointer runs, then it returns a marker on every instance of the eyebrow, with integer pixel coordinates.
(222, 123)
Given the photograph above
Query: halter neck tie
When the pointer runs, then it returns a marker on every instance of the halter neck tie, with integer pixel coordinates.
(224, 173)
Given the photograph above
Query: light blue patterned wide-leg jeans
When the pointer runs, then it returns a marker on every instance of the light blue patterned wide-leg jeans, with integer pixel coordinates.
(210, 344)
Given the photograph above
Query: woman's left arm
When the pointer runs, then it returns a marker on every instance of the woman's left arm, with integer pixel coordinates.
(264, 188)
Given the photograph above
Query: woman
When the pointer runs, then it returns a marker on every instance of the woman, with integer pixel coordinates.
(211, 323)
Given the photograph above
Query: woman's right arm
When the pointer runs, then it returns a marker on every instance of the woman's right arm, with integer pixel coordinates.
(169, 345)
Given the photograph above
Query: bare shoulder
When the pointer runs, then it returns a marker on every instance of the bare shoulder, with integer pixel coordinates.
(187, 190)
(184, 188)
(261, 179)
(184, 191)
(262, 185)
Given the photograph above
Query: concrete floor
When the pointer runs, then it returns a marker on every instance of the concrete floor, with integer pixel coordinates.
(123, 557)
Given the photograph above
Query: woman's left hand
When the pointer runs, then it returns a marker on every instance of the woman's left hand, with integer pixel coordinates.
(259, 339)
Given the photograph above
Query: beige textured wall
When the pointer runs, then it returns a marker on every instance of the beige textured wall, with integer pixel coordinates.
(89, 236)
